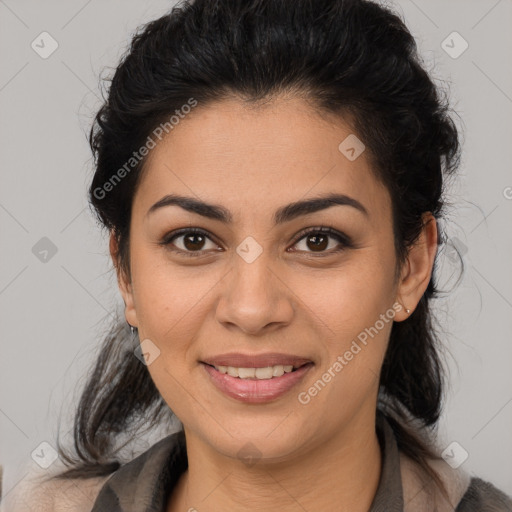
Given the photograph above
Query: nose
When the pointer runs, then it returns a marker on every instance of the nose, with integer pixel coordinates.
(254, 298)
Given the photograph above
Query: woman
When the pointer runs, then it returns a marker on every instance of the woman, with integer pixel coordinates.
(271, 175)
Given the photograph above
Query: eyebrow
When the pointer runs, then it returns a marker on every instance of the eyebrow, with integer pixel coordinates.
(282, 215)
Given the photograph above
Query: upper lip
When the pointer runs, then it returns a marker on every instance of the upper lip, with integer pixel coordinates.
(240, 360)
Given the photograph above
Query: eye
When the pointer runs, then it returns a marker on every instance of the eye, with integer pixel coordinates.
(317, 240)
(191, 241)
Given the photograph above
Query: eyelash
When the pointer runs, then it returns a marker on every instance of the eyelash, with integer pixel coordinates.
(341, 238)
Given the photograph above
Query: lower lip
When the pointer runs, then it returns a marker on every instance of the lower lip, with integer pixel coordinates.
(256, 391)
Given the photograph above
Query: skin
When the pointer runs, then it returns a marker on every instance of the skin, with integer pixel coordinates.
(320, 456)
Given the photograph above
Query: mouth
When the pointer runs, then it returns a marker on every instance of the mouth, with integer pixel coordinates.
(255, 382)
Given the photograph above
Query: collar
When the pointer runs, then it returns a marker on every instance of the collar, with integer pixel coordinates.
(144, 484)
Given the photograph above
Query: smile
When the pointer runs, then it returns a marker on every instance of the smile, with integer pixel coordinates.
(256, 385)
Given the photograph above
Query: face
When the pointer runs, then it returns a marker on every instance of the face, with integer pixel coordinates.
(258, 285)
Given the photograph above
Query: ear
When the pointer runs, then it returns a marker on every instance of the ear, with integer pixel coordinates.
(417, 269)
(125, 286)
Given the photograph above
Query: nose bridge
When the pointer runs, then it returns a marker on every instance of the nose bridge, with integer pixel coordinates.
(254, 297)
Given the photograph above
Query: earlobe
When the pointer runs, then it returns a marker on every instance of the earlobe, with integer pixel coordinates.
(418, 267)
(125, 286)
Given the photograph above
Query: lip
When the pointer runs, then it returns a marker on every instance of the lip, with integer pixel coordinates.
(240, 360)
(255, 390)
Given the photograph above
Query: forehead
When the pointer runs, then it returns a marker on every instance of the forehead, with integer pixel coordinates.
(240, 156)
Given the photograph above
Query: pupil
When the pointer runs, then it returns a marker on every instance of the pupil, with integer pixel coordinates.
(192, 245)
(317, 244)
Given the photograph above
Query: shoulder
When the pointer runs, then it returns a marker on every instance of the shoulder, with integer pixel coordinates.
(465, 493)
(482, 496)
(38, 491)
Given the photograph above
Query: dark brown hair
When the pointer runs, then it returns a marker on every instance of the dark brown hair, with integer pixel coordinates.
(353, 58)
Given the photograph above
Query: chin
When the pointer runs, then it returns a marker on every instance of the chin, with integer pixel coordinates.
(251, 440)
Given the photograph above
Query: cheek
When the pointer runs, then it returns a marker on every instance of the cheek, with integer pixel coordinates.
(351, 297)
(347, 306)
(170, 300)
(171, 307)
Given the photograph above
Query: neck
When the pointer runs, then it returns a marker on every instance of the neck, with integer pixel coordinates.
(342, 473)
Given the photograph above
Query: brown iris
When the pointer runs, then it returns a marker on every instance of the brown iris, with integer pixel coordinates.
(191, 243)
(317, 244)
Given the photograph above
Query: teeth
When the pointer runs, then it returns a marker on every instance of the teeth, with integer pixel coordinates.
(230, 370)
(256, 373)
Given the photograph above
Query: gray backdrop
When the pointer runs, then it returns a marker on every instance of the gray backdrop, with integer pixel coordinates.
(57, 291)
